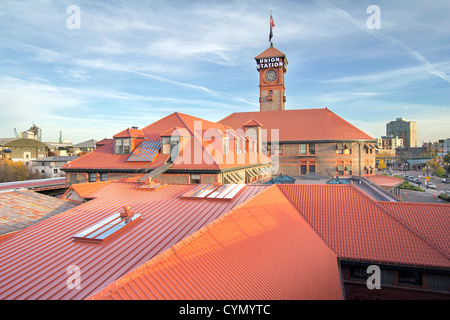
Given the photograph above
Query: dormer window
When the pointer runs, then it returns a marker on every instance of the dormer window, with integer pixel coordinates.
(122, 145)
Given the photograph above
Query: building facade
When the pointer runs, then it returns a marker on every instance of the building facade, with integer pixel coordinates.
(405, 130)
(308, 142)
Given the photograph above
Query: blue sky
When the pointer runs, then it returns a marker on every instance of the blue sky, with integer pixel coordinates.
(134, 62)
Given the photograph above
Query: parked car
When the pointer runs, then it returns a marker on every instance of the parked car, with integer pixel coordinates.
(416, 180)
(431, 186)
(445, 181)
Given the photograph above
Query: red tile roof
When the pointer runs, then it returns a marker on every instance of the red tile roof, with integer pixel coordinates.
(431, 220)
(256, 251)
(358, 228)
(34, 261)
(300, 125)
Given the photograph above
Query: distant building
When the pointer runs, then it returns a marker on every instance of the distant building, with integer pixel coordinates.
(86, 146)
(50, 167)
(389, 143)
(22, 149)
(405, 130)
(447, 146)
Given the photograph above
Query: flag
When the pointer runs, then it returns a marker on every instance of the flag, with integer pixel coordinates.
(272, 25)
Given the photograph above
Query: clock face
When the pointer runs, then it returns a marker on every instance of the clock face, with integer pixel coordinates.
(270, 75)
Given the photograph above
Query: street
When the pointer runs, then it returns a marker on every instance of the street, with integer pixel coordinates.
(430, 195)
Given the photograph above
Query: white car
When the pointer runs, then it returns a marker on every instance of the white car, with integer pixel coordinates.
(431, 186)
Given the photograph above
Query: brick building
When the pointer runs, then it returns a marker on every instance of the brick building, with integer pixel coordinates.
(307, 141)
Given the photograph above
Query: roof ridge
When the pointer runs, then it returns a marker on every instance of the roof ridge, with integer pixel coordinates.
(405, 224)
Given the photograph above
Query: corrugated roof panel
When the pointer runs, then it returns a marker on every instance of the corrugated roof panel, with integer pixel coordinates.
(250, 253)
(48, 249)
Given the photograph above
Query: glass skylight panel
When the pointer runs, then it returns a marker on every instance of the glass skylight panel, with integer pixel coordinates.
(107, 228)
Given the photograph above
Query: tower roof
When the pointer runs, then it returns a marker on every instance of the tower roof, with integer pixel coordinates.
(270, 52)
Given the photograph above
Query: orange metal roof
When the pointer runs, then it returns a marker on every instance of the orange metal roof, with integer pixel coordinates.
(130, 133)
(300, 125)
(386, 182)
(358, 228)
(34, 261)
(104, 157)
(256, 251)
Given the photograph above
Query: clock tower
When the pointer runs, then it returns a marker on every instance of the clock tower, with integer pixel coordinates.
(271, 65)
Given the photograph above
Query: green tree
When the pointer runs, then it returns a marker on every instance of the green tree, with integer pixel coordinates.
(440, 171)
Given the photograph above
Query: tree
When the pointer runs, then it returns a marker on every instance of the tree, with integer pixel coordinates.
(12, 171)
(440, 171)
(381, 165)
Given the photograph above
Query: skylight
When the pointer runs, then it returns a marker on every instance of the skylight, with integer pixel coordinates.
(214, 192)
(109, 227)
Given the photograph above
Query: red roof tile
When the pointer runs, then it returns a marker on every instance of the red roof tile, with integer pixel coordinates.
(255, 251)
(431, 220)
(48, 250)
(358, 228)
(300, 125)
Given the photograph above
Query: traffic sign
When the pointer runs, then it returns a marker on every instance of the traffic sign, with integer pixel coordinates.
(428, 178)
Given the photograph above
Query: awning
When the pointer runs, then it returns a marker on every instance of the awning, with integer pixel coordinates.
(340, 146)
(349, 168)
(340, 168)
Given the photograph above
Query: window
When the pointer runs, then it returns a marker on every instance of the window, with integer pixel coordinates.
(270, 97)
(165, 140)
(195, 178)
(303, 169)
(108, 227)
(226, 145)
(126, 146)
(122, 146)
(103, 177)
(359, 273)
(312, 170)
(92, 177)
(312, 149)
(55, 171)
(410, 278)
(303, 149)
(279, 149)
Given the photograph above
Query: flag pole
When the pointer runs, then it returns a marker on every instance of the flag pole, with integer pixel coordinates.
(272, 25)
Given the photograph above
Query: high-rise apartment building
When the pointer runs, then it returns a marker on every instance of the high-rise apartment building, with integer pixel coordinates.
(405, 130)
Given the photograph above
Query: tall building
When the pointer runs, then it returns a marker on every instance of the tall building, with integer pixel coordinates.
(405, 130)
